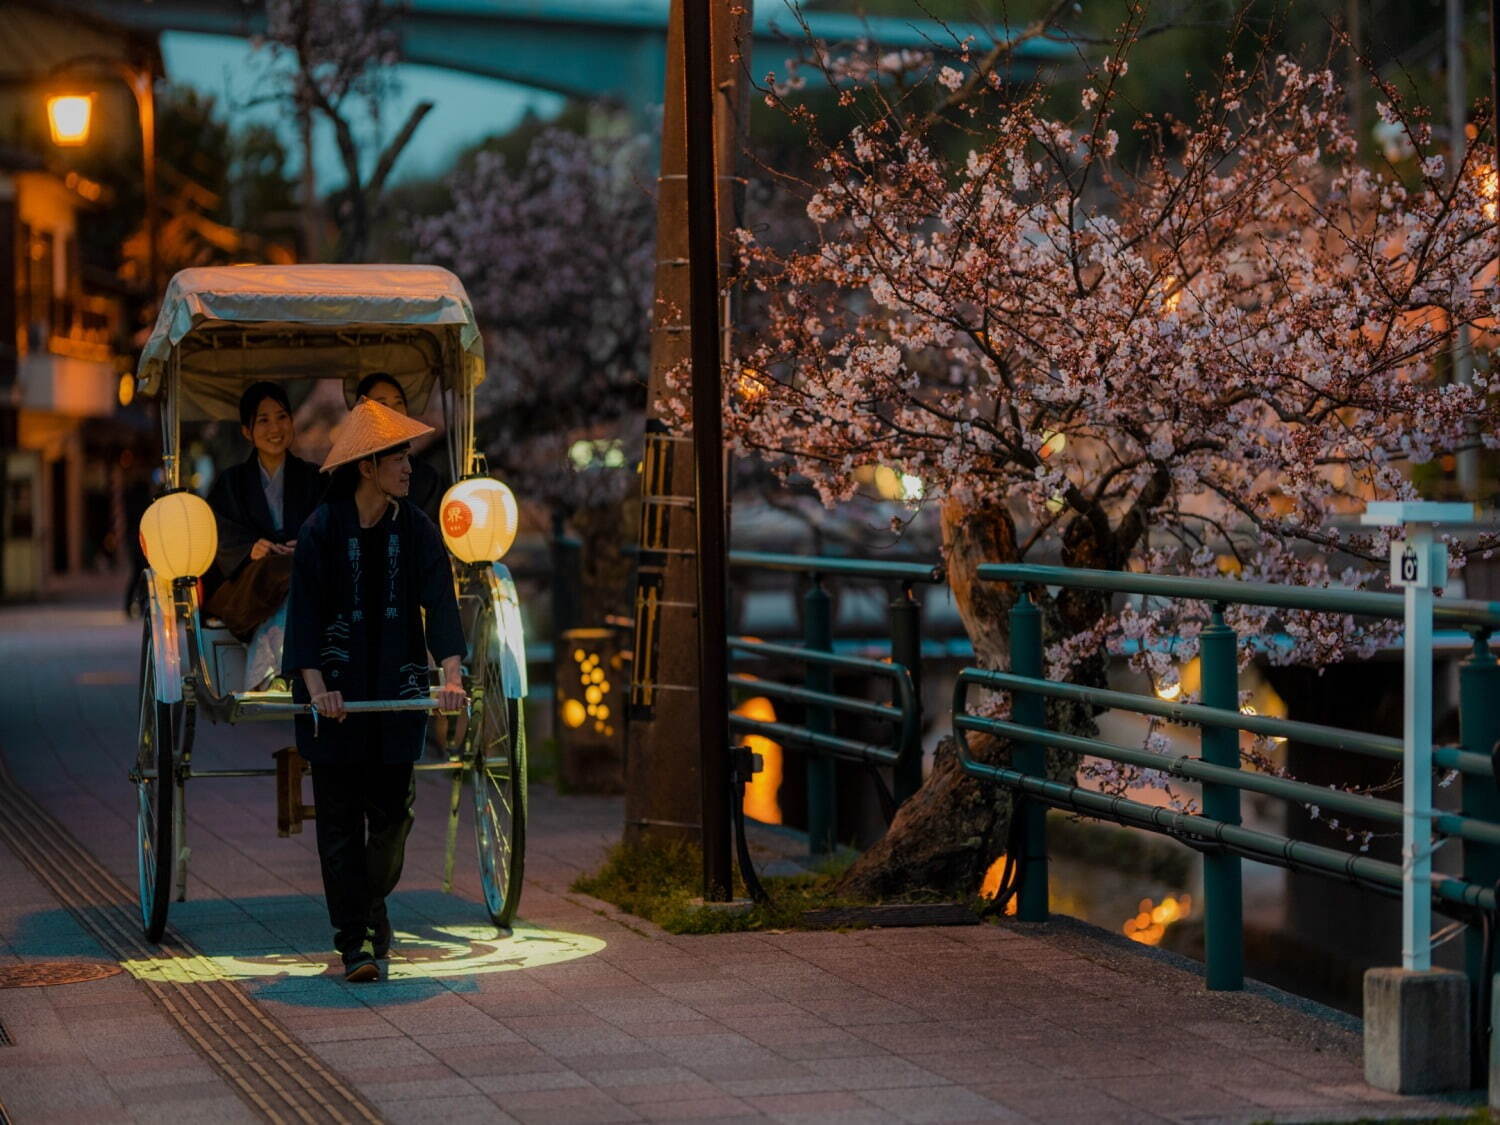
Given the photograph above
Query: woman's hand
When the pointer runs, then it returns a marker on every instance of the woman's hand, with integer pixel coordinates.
(261, 549)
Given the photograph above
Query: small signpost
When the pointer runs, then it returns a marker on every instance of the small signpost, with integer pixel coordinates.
(1418, 565)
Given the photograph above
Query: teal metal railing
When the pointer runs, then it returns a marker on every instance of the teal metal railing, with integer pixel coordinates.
(1217, 831)
(821, 704)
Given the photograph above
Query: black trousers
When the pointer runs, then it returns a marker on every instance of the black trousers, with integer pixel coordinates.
(364, 814)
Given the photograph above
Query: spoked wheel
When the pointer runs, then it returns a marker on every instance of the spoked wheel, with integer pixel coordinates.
(498, 771)
(156, 793)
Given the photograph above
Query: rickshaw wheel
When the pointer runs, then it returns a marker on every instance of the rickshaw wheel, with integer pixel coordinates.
(156, 792)
(498, 771)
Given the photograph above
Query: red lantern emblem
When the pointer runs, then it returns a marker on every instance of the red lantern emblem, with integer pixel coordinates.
(457, 518)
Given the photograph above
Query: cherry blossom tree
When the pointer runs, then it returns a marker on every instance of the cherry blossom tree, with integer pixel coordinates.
(1206, 362)
(340, 54)
(557, 257)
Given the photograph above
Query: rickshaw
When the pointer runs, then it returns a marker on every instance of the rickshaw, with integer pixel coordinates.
(219, 330)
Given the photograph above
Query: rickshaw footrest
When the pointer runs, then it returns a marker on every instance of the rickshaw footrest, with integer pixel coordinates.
(290, 811)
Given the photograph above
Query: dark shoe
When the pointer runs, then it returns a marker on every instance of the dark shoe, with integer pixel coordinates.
(382, 937)
(361, 966)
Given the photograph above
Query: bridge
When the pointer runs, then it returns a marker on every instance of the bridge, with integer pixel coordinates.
(587, 48)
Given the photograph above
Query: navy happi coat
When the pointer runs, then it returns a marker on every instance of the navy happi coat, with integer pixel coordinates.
(355, 613)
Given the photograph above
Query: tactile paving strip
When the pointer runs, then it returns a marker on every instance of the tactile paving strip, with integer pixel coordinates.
(259, 1058)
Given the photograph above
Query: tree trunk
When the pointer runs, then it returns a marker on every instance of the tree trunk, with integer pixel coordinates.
(946, 836)
(952, 830)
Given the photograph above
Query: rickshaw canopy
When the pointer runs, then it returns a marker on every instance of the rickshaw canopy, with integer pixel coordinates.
(229, 326)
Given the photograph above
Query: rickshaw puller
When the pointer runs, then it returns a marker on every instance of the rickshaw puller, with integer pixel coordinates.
(366, 565)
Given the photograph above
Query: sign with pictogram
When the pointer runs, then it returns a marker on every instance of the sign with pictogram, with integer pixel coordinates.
(1421, 565)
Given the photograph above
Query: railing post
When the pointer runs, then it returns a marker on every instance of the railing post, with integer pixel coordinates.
(1479, 730)
(817, 634)
(1030, 758)
(1224, 934)
(906, 650)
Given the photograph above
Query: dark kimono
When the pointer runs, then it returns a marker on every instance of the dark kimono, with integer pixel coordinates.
(355, 613)
(243, 516)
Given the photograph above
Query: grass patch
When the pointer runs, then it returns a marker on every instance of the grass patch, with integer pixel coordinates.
(662, 882)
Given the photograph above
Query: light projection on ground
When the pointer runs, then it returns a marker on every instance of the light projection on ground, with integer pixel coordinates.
(434, 953)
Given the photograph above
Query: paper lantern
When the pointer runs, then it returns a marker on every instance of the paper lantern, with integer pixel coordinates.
(179, 535)
(479, 519)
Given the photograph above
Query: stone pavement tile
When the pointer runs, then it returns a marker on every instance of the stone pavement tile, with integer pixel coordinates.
(1312, 1062)
(136, 1074)
(166, 1095)
(1097, 1060)
(1286, 1096)
(942, 1104)
(720, 1107)
(1173, 1096)
(873, 1072)
(821, 1109)
(621, 1077)
(344, 1031)
(442, 1014)
(724, 1069)
(666, 1092)
(572, 1043)
(716, 1045)
(37, 1091)
(984, 1067)
(925, 1038)
(593, 1065)
(833, 1043)
(479, 1059)
(398, 1090)
(360, 1053)
(499, 1084)
(1051, 1098)
(444, 1040)
(223, 1110)
(471, 1109)
(584, 1101)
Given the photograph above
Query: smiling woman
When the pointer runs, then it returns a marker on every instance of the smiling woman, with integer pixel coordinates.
(258, 506)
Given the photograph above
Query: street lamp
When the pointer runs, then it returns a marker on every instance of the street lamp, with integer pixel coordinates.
(70, 116)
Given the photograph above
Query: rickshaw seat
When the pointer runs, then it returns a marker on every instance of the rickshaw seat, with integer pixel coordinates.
(225, 656)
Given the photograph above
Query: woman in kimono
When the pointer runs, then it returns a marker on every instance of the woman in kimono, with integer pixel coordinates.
(258, 505)
(427, 484)
(367, 564)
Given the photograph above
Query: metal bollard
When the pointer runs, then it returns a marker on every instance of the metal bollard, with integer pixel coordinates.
(1479, 731)
(1224, 930)
(822, 804)
(906, 650)
(1029, 758)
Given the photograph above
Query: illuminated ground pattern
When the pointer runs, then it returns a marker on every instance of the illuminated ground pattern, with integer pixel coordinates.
(436, 952)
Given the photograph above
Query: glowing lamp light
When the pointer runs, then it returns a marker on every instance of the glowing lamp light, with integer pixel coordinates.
(479, 518)
(1052, 443)
(126, 392)
(68, 117)
(179, 535)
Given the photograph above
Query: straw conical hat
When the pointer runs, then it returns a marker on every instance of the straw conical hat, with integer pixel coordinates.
(369, 429)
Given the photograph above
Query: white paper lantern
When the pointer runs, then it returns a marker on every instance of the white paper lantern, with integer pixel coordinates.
(179, 535)
(479, 518)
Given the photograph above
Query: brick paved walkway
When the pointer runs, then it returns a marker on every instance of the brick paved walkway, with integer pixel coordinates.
(588, 1015)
